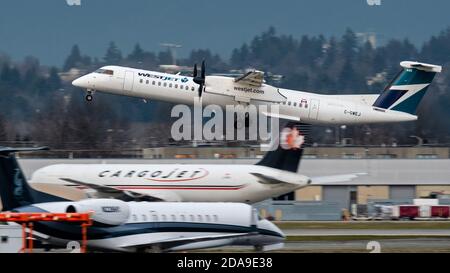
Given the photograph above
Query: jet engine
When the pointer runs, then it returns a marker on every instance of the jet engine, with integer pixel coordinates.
(111, 212)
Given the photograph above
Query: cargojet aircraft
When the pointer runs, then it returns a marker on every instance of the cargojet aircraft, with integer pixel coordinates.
(277, 173)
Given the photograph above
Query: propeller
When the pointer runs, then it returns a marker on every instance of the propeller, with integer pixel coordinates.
(200, 80)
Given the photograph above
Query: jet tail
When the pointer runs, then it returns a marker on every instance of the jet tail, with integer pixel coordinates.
(287, 156)
(407, 89)
(14, 188)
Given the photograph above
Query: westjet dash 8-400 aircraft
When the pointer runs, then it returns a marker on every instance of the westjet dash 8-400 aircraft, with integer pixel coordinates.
(397, 102)
(275, 174)
(137, 226)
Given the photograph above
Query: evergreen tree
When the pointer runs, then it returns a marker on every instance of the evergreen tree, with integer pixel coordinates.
(113, 55)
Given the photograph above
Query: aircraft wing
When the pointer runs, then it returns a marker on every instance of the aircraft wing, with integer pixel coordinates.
(253, 78)
(171, 242)
(108, 192)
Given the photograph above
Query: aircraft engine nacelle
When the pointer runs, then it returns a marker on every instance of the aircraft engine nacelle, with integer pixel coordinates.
(110, 212)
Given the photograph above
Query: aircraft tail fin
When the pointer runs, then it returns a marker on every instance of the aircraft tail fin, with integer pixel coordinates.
(14, 188)
(407, 89)
(287, 156)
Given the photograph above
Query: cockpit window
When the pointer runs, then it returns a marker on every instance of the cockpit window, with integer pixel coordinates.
(104, 71)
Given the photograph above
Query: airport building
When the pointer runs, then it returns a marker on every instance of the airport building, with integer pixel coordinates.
(387, 175)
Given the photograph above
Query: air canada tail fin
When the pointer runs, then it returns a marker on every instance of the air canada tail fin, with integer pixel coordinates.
(407, 89)
(14, 188)
(287, 156)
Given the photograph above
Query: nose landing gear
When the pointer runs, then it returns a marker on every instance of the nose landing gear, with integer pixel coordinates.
(89, 96)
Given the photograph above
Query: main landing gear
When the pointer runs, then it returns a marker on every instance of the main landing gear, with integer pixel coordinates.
(241, 122)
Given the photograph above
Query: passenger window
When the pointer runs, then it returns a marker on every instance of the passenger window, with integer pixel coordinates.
(207, 218)
(141, 80)
(289, 103)
(181, 87)
(134, 218)
(174, 218)
(159, 83)
(183, 218)
(146, 81)
(153, 82)
(165, 84)
(192, 218)
(295, 104)
(144, 217)
(187, 88)
(192, 88)
(216, 218)
(199, 217)
(176, 86)
(155, 217)
(170, 85)
(163, 217)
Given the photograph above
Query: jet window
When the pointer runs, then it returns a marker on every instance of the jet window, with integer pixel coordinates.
(289, 103)
(104, 71)
(176, 86)
(159, 83)
(295, 104)
(187, 88)
(155, 217)
(165, 84)
(192, 218)
(170, 85)
(216, 218)
(207, 218)
(192, 88)
(146, 81)
(153, 82)
(181, 87)
(183, 218)
(134, 218)
(199, 218)
(174, 218)
(144, 217)
(141, 80)
(163, 217)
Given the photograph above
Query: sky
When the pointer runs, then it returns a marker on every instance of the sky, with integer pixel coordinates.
(47, 29)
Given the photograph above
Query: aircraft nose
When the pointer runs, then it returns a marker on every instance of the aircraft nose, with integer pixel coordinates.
(82, 82)
(277, 235)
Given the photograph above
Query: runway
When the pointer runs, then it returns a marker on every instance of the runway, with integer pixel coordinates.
(418, 245)
(366, 232)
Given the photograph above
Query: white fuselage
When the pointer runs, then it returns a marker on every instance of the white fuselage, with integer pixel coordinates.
(177, 182)
(145, 224)
(219, 90)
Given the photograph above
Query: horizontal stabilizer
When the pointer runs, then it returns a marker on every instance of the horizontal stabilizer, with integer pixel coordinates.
(335, 178)
(290, 178)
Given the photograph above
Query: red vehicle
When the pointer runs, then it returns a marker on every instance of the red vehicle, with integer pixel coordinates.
(408, 211)
(440, 211)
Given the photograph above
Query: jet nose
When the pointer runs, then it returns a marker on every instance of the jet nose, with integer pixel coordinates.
(82, 82)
